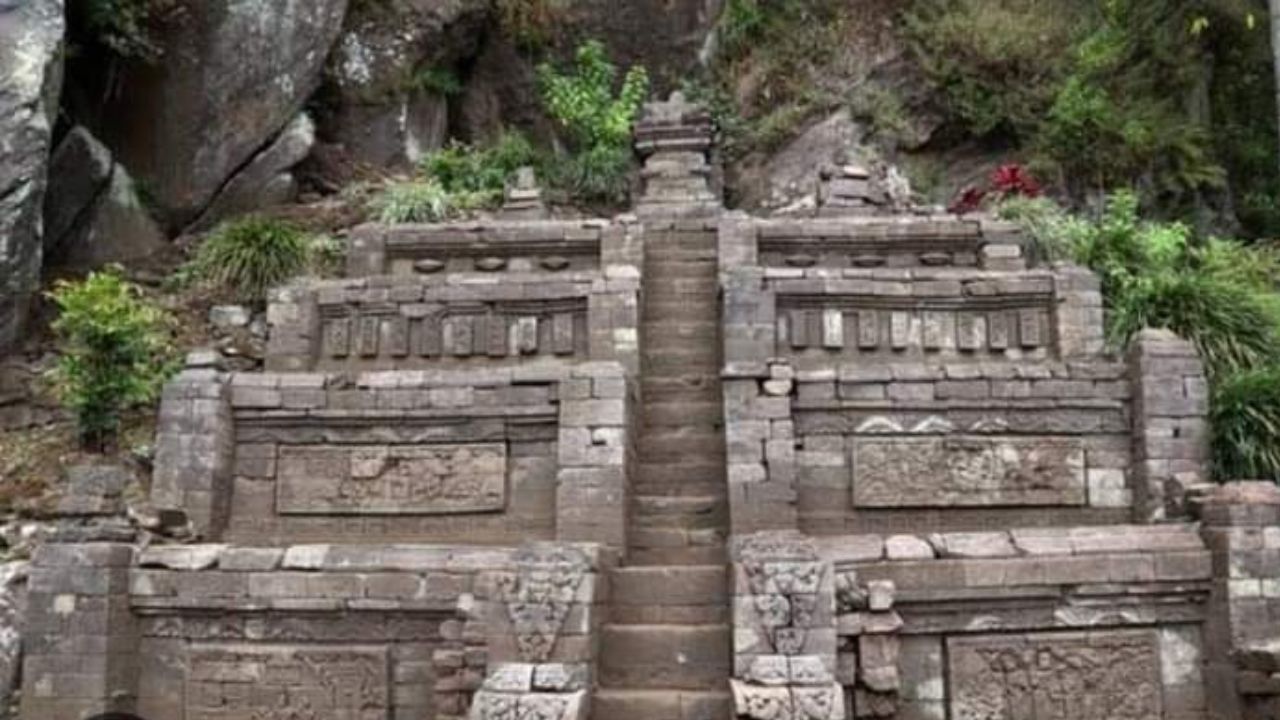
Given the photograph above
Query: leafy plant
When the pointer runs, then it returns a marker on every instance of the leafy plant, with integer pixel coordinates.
(115, 352)
(250, 255)
(583, 101)
(461, 168)
(423, 201)
(1246, 425)
(596, 119)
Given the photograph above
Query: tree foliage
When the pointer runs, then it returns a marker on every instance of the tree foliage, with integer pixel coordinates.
(115, 351)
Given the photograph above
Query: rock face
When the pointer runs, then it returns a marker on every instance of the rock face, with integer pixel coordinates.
(382, 107)
(31, 36)
(92, 212)
(669, 37)
(234, 74)
(13, 601)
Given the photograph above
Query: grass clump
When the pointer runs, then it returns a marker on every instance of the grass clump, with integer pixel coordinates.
(115, 352)
(252, 254)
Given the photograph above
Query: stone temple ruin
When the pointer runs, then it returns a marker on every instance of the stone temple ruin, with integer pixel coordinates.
(682, 465)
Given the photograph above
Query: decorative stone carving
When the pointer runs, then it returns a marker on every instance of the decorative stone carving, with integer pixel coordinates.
(392, 480)
(914, 329)
(1056, 676)
(540, 595)
(967, 471)
(242, 682)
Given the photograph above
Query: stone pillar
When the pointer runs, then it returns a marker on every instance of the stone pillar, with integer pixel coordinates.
(784, 630)
(676, 139)
(80, 636)
(293, 318)
(367, 251)
(195, 446)
(1241, 525)
(595, 455)
(1170, 421)
(544, 619)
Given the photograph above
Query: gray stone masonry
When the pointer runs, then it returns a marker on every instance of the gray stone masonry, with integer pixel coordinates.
(680, 177)
(495, 456)
(1242, 527)
(704, 467)
(1105, 605)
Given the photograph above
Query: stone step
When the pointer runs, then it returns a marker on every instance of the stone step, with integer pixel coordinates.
(702, 350)
(685, 387)
(656, 507)
(673, 586)
(669, 614)
(678, 364)
(672, 445)
(682, 413)
(699, 332)
(698, 470)
(689, 657)
(660, 308)
(663, 704)
(681, 268)
(675, 538)
(707, 555)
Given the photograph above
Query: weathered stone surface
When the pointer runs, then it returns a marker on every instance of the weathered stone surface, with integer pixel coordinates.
(31, 41)
(392, 479)
(379, 114)
(1062, 676)
(93, 212)
(234, 682)
(266, 180)
(13, 601)
(234, 74)
(953, 472)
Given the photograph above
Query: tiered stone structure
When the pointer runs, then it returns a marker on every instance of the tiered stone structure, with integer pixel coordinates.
(687, 466)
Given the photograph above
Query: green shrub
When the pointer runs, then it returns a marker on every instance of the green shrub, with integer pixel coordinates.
(596, 119)
(999, 64)
(1246, 425)
(1218, 294)
(583, 101)
(481, 169)
(250, 255)
(423, 201)
(114, 352)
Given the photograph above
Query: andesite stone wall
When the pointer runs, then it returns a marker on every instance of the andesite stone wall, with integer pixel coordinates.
(946, 499)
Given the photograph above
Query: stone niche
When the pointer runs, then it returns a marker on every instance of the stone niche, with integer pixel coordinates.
(1034, 624)
(497, 457)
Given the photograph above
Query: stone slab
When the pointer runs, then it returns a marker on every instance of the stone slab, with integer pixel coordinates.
(392, 480)
(1056, 676)
(967, 472)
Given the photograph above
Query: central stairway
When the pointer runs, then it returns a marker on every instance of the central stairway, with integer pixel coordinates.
(667, 649)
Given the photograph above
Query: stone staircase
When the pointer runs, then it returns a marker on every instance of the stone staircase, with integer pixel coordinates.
(667, 651)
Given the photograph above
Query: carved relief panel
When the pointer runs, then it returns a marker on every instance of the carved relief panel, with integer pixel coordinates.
(967, 470)
(392, 480)
(915, 330)
(397, 335)
(305, 682)
(1056, 676)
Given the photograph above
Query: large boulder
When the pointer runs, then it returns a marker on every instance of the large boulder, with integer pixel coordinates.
(31, 38)
(233, 75)
(383, 95)
(668, 37)
(93, 214)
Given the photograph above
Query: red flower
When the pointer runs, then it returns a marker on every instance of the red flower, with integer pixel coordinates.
(969, 200)
(1012, 180)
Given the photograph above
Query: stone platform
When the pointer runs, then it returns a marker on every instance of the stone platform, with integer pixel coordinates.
(686, 465)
